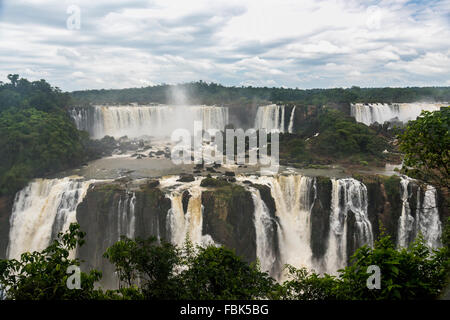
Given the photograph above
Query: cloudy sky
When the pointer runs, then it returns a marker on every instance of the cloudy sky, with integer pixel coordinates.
(301, 43)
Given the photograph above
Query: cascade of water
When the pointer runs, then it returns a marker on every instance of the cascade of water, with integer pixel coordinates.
(426, 220)
(348, 195)
(291, 121)
(293, 201)
(271, 118)
(264, 229)
(136, 121)
(381, 112)
(126, 224)
(181, 225)
(42, 210)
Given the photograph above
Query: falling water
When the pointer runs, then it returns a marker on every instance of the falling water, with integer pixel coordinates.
(187, 225)
(348, 196)
(126, 225)
(136, 121)
(264, 229)
(426, 220)
(42, 210)
(378, 112)
(291, 121)
(270, 117)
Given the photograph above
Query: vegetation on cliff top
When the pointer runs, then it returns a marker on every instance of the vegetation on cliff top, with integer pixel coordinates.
(164, 271)
(327, 136)
(37, 136)
(426, 144)
(212, 93)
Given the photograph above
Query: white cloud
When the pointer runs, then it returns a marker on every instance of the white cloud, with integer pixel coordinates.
(257, 42)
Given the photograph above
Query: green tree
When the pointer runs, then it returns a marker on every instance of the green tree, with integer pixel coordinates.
(43, 275)
(148, 262)
(218, 273)
(417, 272)
(426, 144)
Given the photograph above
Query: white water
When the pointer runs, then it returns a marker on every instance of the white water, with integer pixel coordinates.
(291, 120)
(263, 223)
(347, 195)
(378, 112)
(426, 220)
(126, 224)
(136, 121)
(41, 210)
(294, 197)
(186, 226)
(272, 117)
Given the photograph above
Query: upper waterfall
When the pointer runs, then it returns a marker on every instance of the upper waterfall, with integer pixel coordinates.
(272, 118)
(382, 112)
(155, 120)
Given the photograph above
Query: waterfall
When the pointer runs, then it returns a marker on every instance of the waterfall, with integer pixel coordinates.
(271, 118)
(293, 201)
(181, 225)
(348, 196)
(264, 229)
(126, 225)
(136, 121)
(421, 218)
(379, 112)
(41, 210)
(291, 121)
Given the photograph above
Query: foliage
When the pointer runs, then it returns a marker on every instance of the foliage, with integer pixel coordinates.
(42, 275)
(307, 285)
(417, 272)
(212, 93)
(151, 262)
(330, 135)
(37, 136)
(426, 144)
(217, 273)
(149, 269)
(33, 143)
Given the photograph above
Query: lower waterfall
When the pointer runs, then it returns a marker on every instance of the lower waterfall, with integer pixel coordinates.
(348, 196)
(264, 228)
(286, 207)
(126, 224)
(42, 210)
(294, 197)
(181, 225)
(419, 217)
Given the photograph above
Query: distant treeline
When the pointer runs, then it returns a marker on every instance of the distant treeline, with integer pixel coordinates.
(212, 93)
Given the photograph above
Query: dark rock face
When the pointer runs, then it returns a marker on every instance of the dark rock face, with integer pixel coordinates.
(320, 217)
(228, 217)
(391, 200)
(185, 200)
(98, 216)
(5, 213)
(186, 178)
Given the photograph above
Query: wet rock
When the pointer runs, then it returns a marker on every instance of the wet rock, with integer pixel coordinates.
(186, 178)
(152, 183)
